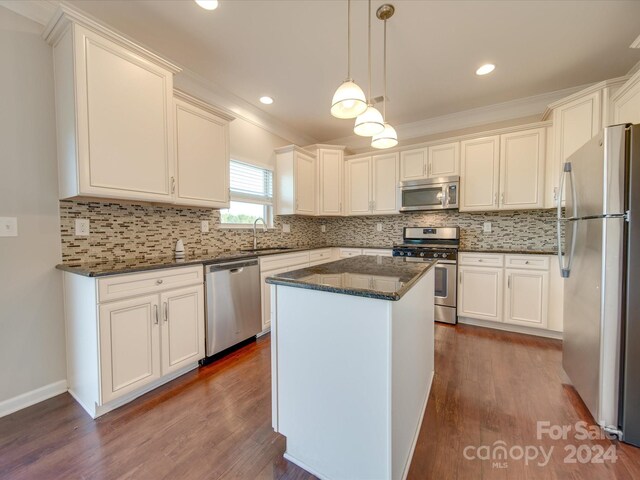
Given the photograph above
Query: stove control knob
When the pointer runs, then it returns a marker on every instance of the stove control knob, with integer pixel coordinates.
(401, 253)
(435, 255)
(444, 255)
(422, 254)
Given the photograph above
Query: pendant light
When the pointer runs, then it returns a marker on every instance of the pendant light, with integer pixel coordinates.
(349, 100)
(388, 137)
(370, 122)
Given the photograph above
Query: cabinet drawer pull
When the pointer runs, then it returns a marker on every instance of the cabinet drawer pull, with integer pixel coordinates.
(526, 262)
(159, 282)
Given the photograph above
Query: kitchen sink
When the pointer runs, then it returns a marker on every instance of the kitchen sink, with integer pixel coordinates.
(265, 249)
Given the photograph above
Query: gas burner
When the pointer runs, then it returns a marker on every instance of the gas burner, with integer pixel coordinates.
(429, 243)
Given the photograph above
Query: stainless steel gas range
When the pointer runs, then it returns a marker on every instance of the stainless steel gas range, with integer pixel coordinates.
(436, 243)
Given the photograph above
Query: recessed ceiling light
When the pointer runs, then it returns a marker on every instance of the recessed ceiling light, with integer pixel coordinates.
(486, 68)
(208, 4)
(266, 100)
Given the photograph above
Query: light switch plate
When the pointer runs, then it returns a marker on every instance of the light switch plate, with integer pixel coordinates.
(82, 227)
(8, 227)
(286, 228)
(378, 227)
(323, 228)
(204, 226)
(486, 227)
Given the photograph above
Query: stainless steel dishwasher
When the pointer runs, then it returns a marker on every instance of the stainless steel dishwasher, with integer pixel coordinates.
(233, 303)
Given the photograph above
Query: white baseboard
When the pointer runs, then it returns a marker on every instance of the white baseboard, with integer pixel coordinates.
(538, 332)
(27, 399)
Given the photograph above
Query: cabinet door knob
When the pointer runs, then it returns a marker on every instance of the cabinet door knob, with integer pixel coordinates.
(159, 282)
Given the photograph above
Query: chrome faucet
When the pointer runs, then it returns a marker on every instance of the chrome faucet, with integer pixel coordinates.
(255, 233)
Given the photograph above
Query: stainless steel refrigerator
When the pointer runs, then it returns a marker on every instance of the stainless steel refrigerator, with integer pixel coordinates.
(600, 263)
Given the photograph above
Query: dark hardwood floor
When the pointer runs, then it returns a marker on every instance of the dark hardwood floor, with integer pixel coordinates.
(215, 423)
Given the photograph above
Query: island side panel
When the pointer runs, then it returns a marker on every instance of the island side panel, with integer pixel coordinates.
(412, 359)
(333, 361)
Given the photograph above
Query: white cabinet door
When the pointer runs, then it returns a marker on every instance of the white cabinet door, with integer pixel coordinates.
(330, 182)
(267, 310)
(527, 298)
(413, 164)
(480, 293)
(385, 184)
(358, 186)
(626, 102)
(444, 160)
(479, 174)
(305, 184)
(124, 113)
(202, 157)
(129, 345)
(522, 161)
(350, 252)
(182, 327)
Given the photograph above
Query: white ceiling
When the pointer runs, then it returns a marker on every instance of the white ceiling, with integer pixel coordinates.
(295, 51)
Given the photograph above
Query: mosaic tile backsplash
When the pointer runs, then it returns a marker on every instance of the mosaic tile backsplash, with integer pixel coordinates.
(128, 230)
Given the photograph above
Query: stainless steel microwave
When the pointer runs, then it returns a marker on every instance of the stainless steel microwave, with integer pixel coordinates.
(431, 194)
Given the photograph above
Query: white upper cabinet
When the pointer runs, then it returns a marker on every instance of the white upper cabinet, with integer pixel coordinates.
(479, 174)
(202, 154)
(444, 160)
(413, 164)
(114, 121)
(358, 186)
(626, 102)
(522, 163)
(430, 162)
(330, 178)
(384, 184)
(371, 185)
(296, 181)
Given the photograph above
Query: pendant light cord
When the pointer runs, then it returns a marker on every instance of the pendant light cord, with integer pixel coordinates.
(384, 67)
(349, 40)
(369, 99)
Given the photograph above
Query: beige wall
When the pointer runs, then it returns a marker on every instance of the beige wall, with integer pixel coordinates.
(32, 351)
(253, 144)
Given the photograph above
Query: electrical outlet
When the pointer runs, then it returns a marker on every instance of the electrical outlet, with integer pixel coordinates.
(323, 228)
(204, 226)
(286, 228)
(378, 227)
(82, 227)
(486, 227)
(8, 227)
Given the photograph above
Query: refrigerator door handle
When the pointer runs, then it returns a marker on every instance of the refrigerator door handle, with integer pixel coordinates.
(566, 270)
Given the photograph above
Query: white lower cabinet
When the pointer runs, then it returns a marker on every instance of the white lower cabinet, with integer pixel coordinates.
(508, 289)
(127, 334)
(480, 294)
(526, 298)
(129, 345)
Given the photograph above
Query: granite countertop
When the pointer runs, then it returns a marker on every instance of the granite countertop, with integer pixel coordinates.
(386, 278)
(509, 252)
(131, 265)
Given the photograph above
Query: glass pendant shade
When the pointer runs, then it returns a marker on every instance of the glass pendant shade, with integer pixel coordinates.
(387, 139)
(348, 101)
(369, 123)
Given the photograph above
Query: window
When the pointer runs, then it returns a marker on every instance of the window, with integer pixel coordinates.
(251, 195)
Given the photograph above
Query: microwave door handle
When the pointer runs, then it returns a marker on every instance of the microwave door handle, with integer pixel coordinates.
(445, 197)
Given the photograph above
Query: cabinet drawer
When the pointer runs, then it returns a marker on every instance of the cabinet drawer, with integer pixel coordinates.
(320, 255)
(274, 262)
(534, 262)
(133, 284)
(350, 252)
(382, 252)
(482, 259)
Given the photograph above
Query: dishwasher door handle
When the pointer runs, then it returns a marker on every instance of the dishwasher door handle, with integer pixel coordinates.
(236, 270)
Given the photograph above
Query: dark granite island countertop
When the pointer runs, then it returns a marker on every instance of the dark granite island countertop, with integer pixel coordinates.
(384, 278)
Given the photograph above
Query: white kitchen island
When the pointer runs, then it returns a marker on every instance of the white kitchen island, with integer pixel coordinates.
(352, 364)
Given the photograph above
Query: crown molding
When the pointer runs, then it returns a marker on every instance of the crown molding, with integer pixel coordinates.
(40, 11)
(196, 102)
(636, 43)
(293, 148)
(324, 146)
(511, 110)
